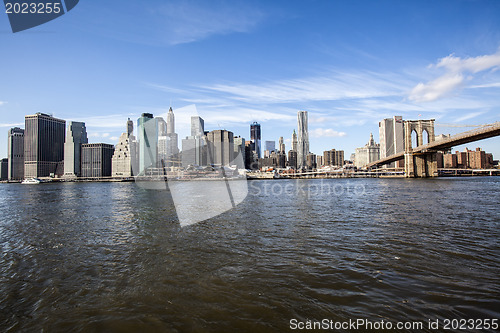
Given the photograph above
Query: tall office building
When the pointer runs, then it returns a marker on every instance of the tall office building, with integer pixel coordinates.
(197, 126)
(270, 146)
(194, 147)
(43, 144)
(281, 146)
(96, 160)
(255, 136)
(220, 147)
(125, 153)
(391, 138)
(4, 169)
(173, 139)
(147, 137)
(15, 154)
(302, 139)
(367, 154)
(294, 141)
(76, 135)
(239, 149)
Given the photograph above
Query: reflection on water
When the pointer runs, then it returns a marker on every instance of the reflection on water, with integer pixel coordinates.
(113, 257)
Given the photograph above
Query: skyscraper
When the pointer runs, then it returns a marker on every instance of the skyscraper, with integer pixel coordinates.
(255, 136)
(197, 126)
(303, 139)
(281, 145)
(270, 146)
(294, 141)
(43, 144)
(391, 138)
(220, 147)
(15, 154)
(173, 146)
(96, 160)
(239, 148)
(76, 135)
(125, 153)
(147, 136)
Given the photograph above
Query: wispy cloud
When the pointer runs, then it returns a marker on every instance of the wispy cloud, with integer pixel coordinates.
(2, 103)
(469, 116)
(332, 86)
(326, 132)
(186, 21)
(454, 77)
(11, 124)
(158, 22)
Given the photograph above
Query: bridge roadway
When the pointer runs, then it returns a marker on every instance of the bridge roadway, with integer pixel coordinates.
(484, 132)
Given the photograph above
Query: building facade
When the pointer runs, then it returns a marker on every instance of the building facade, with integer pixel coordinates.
(4, 168)
(255, 136)
(367, 154)
(333, 158)
(302, 139)
(76, 135)
(15, 154)
(43, 145)
(391, 136)
(147, 139)
(124, 154)
(96, 160)
(220, 147)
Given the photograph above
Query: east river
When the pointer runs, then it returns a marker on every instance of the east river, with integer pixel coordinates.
(112, 257)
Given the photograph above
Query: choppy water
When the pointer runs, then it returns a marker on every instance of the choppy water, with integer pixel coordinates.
(112, 257)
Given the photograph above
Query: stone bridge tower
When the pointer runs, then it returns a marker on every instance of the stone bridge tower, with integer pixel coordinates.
(423, 163)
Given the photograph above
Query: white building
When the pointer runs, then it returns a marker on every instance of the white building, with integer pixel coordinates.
(367, 154)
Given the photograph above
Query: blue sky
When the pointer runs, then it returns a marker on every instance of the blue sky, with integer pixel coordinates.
(349, 63)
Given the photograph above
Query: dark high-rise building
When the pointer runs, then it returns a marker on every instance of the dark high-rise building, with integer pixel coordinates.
(4, 168)
(43, 144)
(255, 136)
(220, 147)
(292, 159)
(16, 154)
(96, 160)
(76, 135)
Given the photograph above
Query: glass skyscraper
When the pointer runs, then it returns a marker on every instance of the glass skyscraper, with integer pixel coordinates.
(303, 139)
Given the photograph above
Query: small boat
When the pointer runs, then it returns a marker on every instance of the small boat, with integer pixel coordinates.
(31, 181)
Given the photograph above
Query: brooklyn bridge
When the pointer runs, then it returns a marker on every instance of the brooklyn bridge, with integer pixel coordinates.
(421, 161)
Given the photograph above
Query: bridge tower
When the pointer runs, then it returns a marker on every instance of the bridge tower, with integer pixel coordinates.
(424, 163)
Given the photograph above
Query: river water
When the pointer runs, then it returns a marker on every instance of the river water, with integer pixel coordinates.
(112, 257)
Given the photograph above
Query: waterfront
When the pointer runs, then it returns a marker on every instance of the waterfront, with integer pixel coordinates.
(112, 256)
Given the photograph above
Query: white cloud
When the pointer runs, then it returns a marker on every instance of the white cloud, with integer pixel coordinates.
(114, 138)
(437, 88)
(330, 87)
(2, 103)
(326, 132)
(453, 78)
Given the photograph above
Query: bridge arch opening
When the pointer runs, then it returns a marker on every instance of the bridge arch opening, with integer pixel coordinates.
(414, 139)
(425, 137)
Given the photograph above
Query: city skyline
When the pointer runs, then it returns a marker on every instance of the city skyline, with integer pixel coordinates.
(260, 62)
